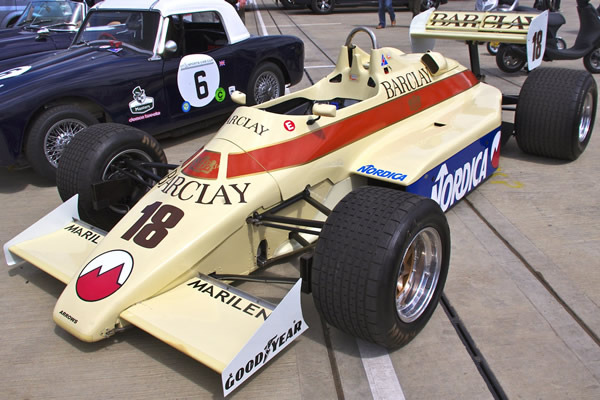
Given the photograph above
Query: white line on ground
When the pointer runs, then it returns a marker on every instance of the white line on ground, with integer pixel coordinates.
(381, 375)
(261, 23)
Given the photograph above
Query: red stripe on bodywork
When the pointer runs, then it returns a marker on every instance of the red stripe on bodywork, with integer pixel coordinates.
(316, 144)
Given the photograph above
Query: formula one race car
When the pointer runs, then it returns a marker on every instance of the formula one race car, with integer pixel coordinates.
(353, 161)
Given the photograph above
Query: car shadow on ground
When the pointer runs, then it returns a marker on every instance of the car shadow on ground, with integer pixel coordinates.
(16, 179)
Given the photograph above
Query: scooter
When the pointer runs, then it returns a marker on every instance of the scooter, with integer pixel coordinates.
(512, 58)
(513, 5)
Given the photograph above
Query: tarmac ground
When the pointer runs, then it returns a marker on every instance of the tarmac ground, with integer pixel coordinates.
(519, 319)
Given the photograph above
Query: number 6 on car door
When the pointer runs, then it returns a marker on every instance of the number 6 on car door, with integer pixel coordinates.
(198, 79)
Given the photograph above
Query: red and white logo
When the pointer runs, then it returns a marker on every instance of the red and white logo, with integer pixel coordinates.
(104, 275)
(289, 125)
(495, 156)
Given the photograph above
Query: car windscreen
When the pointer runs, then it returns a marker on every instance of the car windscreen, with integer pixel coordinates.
(136, 28)
(48, 14)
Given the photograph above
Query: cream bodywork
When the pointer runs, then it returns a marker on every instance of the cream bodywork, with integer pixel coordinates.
(213, 235)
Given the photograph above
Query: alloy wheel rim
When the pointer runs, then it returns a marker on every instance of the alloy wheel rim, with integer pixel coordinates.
(418, 275)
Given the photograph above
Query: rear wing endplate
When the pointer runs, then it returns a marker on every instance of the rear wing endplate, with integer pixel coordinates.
(475, 26)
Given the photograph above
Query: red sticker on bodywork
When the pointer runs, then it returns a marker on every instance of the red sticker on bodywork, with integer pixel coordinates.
(104, 275)
(205, 165)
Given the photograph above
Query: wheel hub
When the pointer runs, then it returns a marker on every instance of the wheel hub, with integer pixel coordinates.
(419, 272)
(586, 117)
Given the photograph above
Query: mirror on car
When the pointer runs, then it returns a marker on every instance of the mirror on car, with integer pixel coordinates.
(171, 46)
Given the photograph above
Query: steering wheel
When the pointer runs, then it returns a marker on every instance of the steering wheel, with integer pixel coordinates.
(106, 35)
(365, 30)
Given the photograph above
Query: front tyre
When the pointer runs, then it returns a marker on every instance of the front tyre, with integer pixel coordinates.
(555, 112)
(50, 133)
(107, 152)
(266, 83)
(591, 61)
(380, 264)
(492, 48)
(509, 60)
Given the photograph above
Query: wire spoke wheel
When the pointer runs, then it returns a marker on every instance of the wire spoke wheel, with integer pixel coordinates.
(58, 137)
(266, 87)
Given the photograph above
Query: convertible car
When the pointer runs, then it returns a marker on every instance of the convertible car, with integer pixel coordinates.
(355, 172)
(161, 66)
(44, 27)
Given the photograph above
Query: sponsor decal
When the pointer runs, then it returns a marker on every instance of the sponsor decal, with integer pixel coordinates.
(198, 79)
(289, 125)
(186, 106)
(141, 103)
(406, 83)
(104, 275)
(68, 316)
(221, 63)
(204, 165)
(178, 186)
(234, 301)
(382, 173)
(384, 62)
(145, 116)
(490, 21)
(115, 50)
(14, 72)
(83, 233)
(463, 172)
(231, 89)
(248, 123)
(220, 94)
(271, 348)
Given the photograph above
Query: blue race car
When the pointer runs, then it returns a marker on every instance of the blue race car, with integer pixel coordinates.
(161, 66)
(44, 27)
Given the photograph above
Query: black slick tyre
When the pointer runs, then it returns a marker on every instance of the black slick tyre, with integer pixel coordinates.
(266, 83)
(100, 153)
(380, 264)
(49, 134)
(509, 60)
(555, 113)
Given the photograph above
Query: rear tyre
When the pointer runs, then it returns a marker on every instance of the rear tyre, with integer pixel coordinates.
(50, 133)
(266, 83)
(380, 264)
(101, 153)
(591, 61)
(509, 59)
(555, 113)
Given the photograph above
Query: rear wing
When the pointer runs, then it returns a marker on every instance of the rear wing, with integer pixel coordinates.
(475, 26)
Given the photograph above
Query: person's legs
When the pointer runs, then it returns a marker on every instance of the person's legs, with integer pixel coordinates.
(390, 10)
(381, 14)
(415, 6)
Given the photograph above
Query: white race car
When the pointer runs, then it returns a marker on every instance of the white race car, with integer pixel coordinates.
(356, 172)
